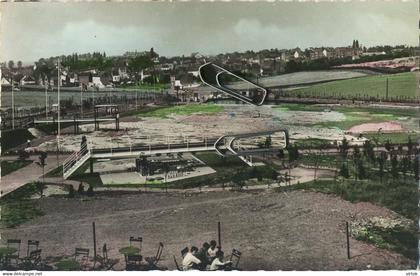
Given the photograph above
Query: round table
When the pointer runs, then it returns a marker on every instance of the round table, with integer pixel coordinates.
(68, 265)
(130, 250)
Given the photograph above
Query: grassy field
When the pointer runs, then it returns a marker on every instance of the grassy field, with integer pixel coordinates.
(156, 88)
(17, 207)
(11, 166)
(164, 112)
(400, 86)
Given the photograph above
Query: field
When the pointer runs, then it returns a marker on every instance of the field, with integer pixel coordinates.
(401, 86)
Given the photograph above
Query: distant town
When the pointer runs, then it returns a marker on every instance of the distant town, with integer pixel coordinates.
(148, 69)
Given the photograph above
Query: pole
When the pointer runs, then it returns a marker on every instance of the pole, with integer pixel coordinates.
(94, 244)
(58, 109)
(136, 99)
(46, 98)
(348, 240)
(218, 236)
(81, 100)
(13, 106)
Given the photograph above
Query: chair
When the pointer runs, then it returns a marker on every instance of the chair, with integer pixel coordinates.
(12, 243)
(104, 262)
(235, 257)
(138, 240)
(176, 264)
(184, 251)
(152, 261)
(32, 246)
(133, 262)
(81, 255)
(33, 260)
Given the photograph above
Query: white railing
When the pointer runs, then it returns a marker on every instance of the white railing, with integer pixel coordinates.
(75, 160)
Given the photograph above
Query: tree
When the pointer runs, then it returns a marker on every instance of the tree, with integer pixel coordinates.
(394, 166)
(40, 186)
(381, 161)
(42, 163)
(19, 64)
(344, 171)
(361, 171)
(416, 167)
(268, 141)
(388, 145)
(344, 147)
(410, 145)
(11, 64)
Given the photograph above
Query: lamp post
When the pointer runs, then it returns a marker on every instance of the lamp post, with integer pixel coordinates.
(13, 106)
(81, 100)
(46, 97)
(58, 108)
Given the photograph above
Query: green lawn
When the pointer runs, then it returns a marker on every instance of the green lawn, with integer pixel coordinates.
(188, 109)
(17, 207)
(156, 88)
(400, 86)
(11, 166)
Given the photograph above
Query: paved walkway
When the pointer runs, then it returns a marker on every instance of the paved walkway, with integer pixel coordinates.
(30, 173)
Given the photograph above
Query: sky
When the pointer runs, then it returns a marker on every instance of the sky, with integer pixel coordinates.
(29, 31)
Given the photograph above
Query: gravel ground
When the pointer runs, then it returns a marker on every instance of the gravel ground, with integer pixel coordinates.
(297, 230)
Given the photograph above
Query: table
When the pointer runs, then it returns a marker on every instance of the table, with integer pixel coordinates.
(4, 252)
(129, 250)
(68, 265)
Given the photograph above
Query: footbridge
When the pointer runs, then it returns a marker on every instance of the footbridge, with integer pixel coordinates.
(222, 146)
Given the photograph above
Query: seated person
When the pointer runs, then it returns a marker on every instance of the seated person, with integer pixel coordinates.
(212, 250)
(218, 263)
(190, 261)
(203, 256)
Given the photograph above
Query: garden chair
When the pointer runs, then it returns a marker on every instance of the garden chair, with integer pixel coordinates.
(33, 260)
(13, 243)
(133, 262)
(235, 257)
(81, 255)
(32, 246)
(138, 240)
(104, 262)
(176, 264)
(152, 261)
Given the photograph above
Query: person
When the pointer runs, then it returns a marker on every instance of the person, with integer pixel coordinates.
(218, 263)
(212, 250)
(190, 261)
(203, 256)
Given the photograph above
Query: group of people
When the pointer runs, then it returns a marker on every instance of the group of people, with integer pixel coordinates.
(208, 257)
